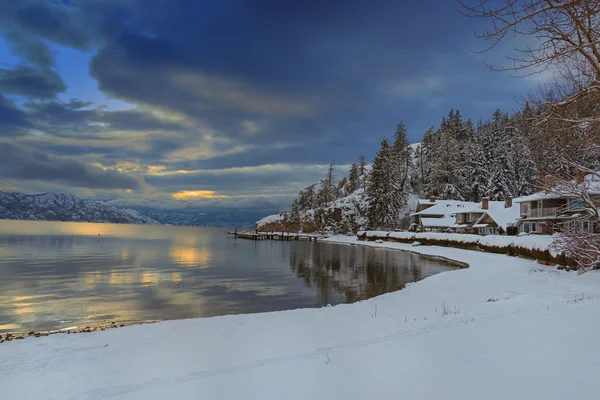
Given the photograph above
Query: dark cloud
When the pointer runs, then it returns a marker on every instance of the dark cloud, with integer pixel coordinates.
(64, 118)
(52, 20)
(28, 47)
(29, 82)
(19, 162)
(13, 120)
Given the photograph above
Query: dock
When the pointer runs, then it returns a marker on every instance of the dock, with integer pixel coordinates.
(283, 236)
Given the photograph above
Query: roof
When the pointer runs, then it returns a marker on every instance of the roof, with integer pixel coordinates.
(477, 207)
(504, 217)
(444, 222)
(444, 207)
(540, 196)
(591, 184)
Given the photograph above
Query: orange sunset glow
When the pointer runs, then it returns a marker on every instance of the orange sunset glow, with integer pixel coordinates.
(204, 194)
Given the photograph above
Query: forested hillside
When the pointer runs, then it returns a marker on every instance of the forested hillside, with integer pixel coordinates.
(459, 160)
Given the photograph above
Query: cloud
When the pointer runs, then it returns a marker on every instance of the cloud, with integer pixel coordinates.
(26, 81)
(20, 162)
(13, 120)
(418, 86)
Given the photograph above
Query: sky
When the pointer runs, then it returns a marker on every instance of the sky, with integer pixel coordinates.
(226, 104)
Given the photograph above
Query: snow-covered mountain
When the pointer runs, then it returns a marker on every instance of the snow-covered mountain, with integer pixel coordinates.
(64, 207)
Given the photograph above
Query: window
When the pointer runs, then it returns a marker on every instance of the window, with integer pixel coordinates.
(460, 218)
(534, 227)
(524, 208)
(575, 204)
(526, 227)
(585, 225)
(469, 217)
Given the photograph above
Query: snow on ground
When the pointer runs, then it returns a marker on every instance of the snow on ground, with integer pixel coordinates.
(505, 328)
(530, 242)
(269, 219)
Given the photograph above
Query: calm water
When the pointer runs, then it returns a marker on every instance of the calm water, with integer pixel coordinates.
(60, 274)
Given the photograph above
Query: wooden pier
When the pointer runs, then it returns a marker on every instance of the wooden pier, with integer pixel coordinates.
(283, 236)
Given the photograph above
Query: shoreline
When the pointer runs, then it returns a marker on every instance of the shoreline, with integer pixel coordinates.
(505, 327)
(89, 328)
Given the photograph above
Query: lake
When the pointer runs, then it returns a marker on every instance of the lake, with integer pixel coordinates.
(61, 274)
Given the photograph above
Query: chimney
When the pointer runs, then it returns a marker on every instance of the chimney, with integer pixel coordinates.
(508, 202)
(432, 199)
(485, 203)
(579, 176)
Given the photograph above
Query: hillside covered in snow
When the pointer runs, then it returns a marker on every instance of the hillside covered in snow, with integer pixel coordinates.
(64, 207)
(345, 215)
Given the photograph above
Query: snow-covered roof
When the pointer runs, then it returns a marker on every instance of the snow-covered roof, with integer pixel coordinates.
(444, 207)
(503, 217)
(445, 222)
(540, 196)
(591, 184)
(478, 208)
(480, 225)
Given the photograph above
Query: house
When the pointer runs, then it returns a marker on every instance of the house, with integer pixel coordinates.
(437, 215)
(545, 211)
(487, 217)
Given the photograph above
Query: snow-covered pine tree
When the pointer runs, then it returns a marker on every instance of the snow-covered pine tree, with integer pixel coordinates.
(341, 188)
(353, 179)
(523, 161)
(499, 147)
(384, 202)
(402, 158)
(477, 166)
(401, 166)
(448, 168)
(362, 171)
(294, 215)
(425, 162)
(328, 192)
(307, 198)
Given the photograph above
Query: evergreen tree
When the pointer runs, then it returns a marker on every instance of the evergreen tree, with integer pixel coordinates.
(328, 191)
(354, 179)
(401, 164)
(362, 171)
(384, 203)
(477, 165)
(294, 216)
(428, 147)
(341, 188)
(448, 166)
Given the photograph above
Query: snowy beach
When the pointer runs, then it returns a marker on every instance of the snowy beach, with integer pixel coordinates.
(503, 328)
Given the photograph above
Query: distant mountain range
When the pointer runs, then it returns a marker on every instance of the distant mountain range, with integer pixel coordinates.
(219, 219)
(64, 207)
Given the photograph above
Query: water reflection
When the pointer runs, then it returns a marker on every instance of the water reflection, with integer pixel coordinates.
(54, 275)
(357, 272)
